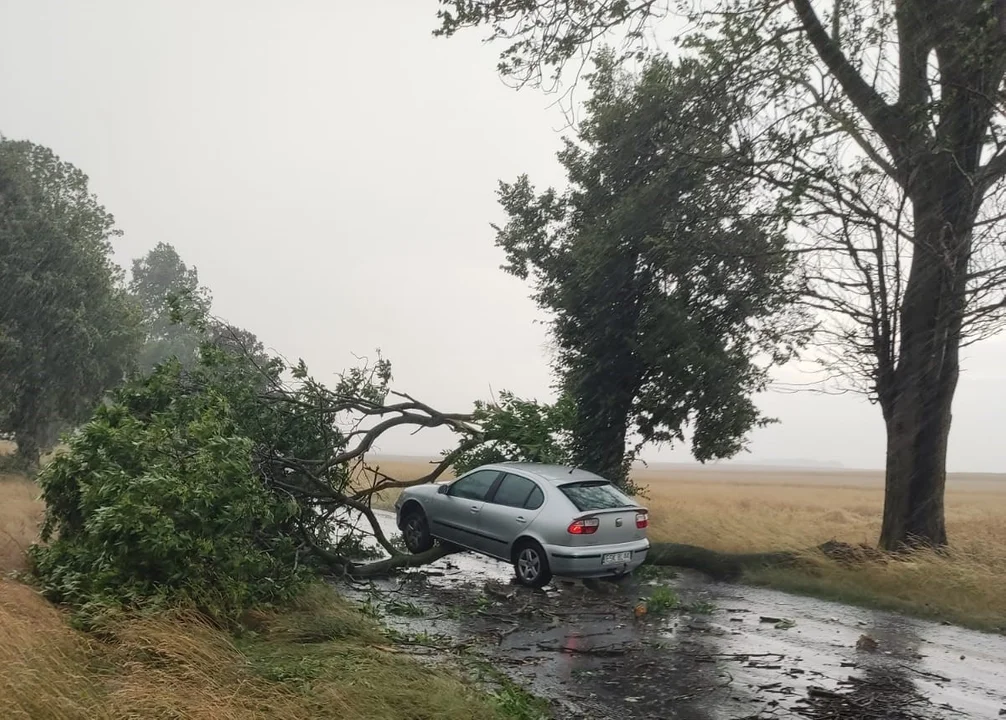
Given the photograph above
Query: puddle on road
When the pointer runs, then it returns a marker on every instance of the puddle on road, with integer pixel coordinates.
(587, 651)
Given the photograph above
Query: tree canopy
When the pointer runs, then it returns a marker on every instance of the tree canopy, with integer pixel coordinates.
(669, 290)
(68, 331)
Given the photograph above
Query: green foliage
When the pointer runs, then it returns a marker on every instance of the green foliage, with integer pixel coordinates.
(898, 207)
(513, 701)
(515, 430)
(219, 486)
(701, 607)
(669, 291)
(662, 600)
(68, 331)
(157, 502)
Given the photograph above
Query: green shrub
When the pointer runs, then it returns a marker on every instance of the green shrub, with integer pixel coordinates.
(157, 501)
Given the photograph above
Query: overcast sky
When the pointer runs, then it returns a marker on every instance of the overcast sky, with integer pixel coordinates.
(330, 169)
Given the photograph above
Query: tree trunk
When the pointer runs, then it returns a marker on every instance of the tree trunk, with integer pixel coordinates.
(607, 374)
(601, 438)
(29, 452)
(916, 474)
(917, 405)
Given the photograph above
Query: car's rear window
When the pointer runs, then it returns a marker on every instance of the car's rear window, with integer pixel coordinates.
(595, 495)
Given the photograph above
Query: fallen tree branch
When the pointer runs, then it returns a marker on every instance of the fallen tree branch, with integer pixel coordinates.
(397, 562)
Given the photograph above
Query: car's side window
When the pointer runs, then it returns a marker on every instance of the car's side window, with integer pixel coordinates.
(535, 499)
(513, 491)
(475, 486)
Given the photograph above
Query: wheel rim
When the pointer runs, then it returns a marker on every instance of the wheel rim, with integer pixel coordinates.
(413, 532)
(529, 564)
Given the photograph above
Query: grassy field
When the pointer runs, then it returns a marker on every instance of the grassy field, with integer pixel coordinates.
(750, 509)
(320, 659)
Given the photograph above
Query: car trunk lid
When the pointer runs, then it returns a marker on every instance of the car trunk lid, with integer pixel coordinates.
(615, 513)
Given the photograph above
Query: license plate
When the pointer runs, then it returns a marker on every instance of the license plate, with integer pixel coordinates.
(616, 558)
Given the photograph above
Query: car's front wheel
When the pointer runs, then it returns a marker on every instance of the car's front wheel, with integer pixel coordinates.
(531, 565)
(416, 532)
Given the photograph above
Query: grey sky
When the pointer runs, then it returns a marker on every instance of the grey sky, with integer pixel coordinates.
(330, 169)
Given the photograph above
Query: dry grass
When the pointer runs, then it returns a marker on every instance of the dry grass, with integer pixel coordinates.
(20, 514)
(179, 667)
(320, 659)
(756, 510)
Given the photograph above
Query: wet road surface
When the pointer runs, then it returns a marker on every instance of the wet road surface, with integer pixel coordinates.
(726, 652)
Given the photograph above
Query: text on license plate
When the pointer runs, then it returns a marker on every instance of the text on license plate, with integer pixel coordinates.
(616, 558)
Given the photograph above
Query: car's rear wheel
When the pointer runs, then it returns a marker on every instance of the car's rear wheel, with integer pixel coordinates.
(531, 564)
(416, 531)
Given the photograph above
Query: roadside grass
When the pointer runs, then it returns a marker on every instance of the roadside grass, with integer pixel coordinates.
(20, 515)
(662, 600)
(320, 658)
(965, 585)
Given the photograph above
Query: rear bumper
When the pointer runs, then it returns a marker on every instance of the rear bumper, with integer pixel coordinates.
(585, 562)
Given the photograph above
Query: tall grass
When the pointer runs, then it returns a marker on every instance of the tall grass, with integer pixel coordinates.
(967, 584)
(20, 514)
(178, 666)
(319, 659)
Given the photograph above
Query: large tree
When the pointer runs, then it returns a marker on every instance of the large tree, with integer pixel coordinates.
(881, 126)
(667, 287)
(176, 315)
(168, 293)
(67, 328)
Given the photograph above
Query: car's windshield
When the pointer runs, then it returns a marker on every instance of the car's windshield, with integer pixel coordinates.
(595, 495)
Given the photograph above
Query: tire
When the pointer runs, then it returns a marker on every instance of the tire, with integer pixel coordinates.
(530, 564)
(416, 531)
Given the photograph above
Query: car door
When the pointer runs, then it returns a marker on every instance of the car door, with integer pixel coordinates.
(455, 516)
(508, 512)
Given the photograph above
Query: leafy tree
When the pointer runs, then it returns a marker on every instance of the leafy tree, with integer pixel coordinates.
(168, 291)
(881, 124)
(185, 487)
(176, 313)
(156, 500)
(668, 291)
(223, 485)
(67, 328)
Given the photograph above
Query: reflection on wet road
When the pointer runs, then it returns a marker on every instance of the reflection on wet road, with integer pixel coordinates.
(728, 652)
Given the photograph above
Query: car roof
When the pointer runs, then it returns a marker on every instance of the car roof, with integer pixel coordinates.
(555, 474)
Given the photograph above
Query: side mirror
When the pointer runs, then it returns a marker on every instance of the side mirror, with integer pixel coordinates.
(442, 490)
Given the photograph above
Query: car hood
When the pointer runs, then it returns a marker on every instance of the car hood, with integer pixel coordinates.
(426, 490)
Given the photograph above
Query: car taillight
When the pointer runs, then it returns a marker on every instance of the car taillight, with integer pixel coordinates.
(587, 526)
(642, 520)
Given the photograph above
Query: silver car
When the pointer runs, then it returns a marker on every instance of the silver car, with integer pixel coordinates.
(544, 519)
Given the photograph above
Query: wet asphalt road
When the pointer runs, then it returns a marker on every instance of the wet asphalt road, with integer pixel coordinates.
(729, 652)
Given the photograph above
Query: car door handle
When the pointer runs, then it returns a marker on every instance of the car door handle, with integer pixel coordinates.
(520, 519)
(475, 508)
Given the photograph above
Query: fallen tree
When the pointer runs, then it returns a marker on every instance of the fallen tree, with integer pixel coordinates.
(233, 483)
